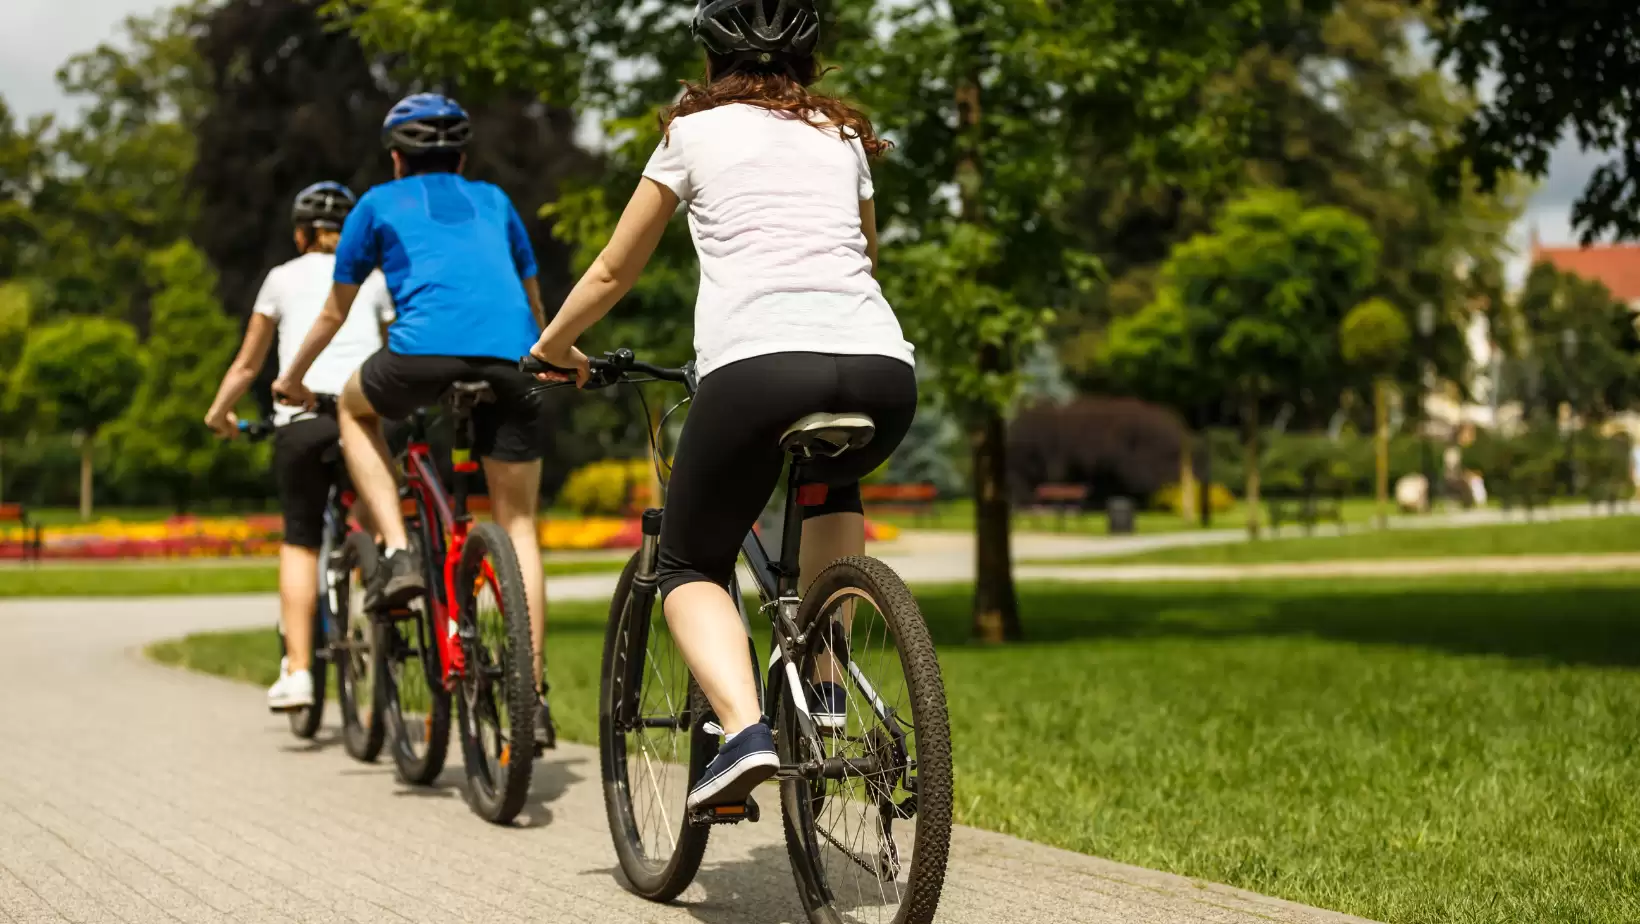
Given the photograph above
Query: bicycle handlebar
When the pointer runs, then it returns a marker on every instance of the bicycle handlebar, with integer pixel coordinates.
(256, 430)
(613, 369)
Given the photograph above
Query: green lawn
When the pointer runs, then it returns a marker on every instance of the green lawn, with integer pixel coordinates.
(1448, 750)
(959, 514)
(1561, 537)
(164, 578)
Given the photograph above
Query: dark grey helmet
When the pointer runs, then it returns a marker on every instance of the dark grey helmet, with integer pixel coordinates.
(323, 205)
(763, 30)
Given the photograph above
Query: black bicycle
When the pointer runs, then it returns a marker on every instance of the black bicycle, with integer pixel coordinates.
(342, 634)
(866, 804)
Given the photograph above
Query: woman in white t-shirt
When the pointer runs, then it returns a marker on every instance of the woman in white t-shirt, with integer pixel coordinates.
(290, 299)
(790, 321)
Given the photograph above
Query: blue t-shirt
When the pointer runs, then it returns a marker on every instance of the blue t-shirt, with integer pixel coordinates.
(454, 253)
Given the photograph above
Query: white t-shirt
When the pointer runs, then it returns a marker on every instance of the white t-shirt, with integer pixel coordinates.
(293, 295)
(774, 209)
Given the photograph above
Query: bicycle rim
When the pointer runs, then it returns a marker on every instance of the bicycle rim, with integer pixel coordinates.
(353, 650)
(416, 702)
(497, 690)
(871, 845)
(652, 744)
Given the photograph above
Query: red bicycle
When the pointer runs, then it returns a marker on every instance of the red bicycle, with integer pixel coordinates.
(468, 638)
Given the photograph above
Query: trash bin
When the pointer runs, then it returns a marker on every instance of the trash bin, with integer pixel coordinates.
(1119, 512)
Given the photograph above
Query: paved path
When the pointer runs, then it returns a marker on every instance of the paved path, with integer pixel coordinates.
(134, 793)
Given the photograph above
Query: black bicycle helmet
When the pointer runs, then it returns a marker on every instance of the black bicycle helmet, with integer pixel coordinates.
(760, 30)
(323, 205)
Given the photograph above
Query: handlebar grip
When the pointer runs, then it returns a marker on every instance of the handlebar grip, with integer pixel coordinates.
(533, 366)
(256, 430)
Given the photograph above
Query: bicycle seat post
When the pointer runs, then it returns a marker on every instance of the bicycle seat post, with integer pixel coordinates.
(461, 402)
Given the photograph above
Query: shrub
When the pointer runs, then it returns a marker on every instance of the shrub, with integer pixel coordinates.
(610, 487)
(1169, 498)
(1116, 446)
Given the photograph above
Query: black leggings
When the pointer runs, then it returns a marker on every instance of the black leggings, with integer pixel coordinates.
(729, 460)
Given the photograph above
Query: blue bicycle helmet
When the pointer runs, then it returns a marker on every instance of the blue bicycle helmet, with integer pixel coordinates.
(323, 205)
(426, 122)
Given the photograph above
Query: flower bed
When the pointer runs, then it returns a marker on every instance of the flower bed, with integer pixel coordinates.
(230, 537)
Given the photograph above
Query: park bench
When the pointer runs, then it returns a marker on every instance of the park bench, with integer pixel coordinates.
(1060, 499)
(914, 500)
(32, 545)
(1315, 503)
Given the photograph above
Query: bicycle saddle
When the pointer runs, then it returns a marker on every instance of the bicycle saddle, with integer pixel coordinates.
(470, 393)
(828, 435)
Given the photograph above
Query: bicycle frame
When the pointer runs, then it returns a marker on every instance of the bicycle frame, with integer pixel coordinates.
(445, 539)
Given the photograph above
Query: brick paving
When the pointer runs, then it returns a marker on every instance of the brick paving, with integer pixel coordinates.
(134, 793)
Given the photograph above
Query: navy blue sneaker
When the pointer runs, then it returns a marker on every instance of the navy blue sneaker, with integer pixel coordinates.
(740, 765)
(828, 702)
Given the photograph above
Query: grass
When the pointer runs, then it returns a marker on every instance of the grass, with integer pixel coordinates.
(1445, 750)
(164, 578)
(958, 514)
(1560, 537)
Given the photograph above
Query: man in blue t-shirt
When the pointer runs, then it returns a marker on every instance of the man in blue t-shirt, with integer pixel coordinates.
(463, 279)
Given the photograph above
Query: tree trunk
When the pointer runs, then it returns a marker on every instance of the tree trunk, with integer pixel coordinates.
(1249, 422)
(1207, 477)
(1191, 497)
(996, 607)
(87, 450)
(1380, 399)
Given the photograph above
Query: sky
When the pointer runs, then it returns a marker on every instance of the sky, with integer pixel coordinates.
(40, 34)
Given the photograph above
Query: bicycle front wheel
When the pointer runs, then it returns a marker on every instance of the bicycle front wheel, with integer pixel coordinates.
(352, 648)
(651, 743)
(410, 677)
(868, 839)
(497, 699)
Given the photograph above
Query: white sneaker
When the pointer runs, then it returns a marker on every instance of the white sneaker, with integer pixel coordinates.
(293, 691)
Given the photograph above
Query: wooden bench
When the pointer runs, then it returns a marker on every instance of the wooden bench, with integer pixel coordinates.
(1060, 499)
(915, 500)
(1313, 505)
(33, 544)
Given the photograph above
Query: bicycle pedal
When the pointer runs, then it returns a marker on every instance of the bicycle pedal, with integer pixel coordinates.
(394, 614)
(731, 814)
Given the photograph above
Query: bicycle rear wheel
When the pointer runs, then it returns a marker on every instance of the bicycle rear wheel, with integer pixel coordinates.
(352, 649)
(498, 698)
(305, 722)
(411, 677)
(870, 842)
(651, 743)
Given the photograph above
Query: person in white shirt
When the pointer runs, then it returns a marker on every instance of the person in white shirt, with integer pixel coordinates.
(290, 299)
(790, 321)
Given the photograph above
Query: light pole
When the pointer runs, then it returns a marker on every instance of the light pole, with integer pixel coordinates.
(1568, 351)
(1426, 343)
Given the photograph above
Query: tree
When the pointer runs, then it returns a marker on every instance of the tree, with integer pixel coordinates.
(1253, 309)
(79, 375)
(14, 325)
(1374, 339)
(1580, 342)
(161, 439)
(1548, 71)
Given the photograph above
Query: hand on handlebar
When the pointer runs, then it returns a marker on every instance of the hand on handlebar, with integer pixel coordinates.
(569, 365)
(223, 423)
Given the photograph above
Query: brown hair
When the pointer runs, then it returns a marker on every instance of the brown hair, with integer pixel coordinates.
(319, 240)
(778, 86)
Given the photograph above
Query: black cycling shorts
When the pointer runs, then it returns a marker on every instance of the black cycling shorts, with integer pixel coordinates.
(729, 460)
(306, 462)
(512, 429)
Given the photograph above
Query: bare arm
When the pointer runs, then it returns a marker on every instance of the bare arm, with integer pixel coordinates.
(322, 332)
(253, 352)
(532, 288)
(868, 224)
(614, 272)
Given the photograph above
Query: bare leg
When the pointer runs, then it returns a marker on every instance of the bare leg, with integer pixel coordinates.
(826, 539)
(370, 464)
(515, 492)
(298, 598)
(707, 628)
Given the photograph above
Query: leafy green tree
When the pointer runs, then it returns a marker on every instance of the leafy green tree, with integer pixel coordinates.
(15, 300)
(115, 191)
(1374, 338)
(1253, 309)
(1549, 71)
(79, 374)
(1580, 342)
(22, 165)
(161, 439)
